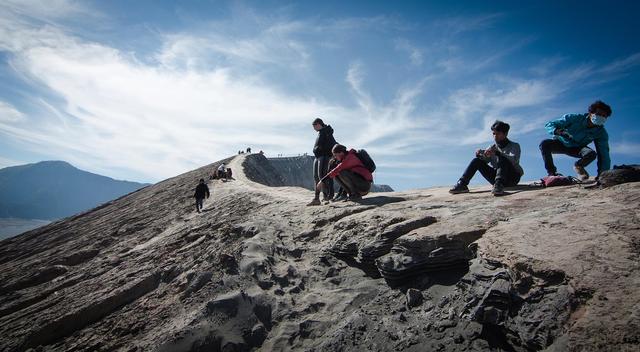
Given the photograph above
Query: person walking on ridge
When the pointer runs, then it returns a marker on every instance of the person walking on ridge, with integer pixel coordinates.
(202, 191)
(322, 152)
(572, 133)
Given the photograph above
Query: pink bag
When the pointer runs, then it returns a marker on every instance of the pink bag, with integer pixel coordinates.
(552, 181)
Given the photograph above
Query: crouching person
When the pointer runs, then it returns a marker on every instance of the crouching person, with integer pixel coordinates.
(572, 134)
(499, 164)
(354, 178)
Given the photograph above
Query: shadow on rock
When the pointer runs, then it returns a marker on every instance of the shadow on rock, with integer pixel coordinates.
(380, 200)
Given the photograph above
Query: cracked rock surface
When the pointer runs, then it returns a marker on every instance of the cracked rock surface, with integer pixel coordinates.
(540, 269)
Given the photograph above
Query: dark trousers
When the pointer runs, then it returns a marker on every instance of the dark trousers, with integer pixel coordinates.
(199, 203)
(353, 183)
(548, 147)
(320, 170)
(505, 174)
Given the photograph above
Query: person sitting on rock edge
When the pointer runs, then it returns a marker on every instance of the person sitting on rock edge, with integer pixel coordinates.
(322, 152)
(504, 157)
(351, 174)
(222, 174)
(572, 133)
(202, 191)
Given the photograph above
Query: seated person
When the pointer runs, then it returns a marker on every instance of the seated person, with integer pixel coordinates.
(504, 157)
(572, 134)
(354, 178)
(222, 171)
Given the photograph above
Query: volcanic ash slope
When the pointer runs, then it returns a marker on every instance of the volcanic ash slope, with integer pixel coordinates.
(419, 270)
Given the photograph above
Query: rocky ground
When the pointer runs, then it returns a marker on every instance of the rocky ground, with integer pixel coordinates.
(554, 269)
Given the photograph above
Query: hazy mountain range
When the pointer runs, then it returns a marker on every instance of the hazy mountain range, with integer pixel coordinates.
(51, 190)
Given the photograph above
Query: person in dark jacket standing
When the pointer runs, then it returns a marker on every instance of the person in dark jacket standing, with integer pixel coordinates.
(322, 152)
(202, 191)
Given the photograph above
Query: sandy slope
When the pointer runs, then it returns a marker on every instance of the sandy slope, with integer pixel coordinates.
(417, 270)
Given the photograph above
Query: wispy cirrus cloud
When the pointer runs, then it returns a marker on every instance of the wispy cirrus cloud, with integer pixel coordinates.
(8, 113)
(414, 53)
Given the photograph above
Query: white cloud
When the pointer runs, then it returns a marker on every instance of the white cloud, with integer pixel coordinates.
(6, 162)
(45, 10)
(8, 113)
(415, 54)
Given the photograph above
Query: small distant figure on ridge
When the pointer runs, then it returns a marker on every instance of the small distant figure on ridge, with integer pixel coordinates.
(202, 191)
(322, 152)
(353, 173)
(572, 133)
(504, 157)
(222, 171)
(261, 152)
(248, 150)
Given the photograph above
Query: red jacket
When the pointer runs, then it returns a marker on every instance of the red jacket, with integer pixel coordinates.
(351, 162)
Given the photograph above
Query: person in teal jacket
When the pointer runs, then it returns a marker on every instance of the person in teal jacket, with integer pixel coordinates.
(572, 133)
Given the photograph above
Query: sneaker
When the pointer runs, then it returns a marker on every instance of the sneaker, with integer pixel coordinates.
(498, 190)
(459, 188)
(354, 198)
(583, 175)
(314, 202)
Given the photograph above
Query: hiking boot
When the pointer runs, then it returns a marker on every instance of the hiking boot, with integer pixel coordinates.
(498, 190)
(583, 175)
(459, 188)
(339, 198)
(314, 202)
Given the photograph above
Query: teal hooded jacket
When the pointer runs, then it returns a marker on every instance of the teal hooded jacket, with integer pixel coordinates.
(578, 127)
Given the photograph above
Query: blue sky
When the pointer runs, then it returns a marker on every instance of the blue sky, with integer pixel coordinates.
(145, 90)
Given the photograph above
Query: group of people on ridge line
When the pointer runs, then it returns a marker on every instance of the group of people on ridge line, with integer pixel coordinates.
(334, 161)
(571, 134)
(499, 163)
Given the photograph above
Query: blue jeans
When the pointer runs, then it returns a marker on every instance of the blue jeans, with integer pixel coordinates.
(505, 173)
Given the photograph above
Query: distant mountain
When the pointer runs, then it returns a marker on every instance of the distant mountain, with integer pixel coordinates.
(51, 190)
(298, 171)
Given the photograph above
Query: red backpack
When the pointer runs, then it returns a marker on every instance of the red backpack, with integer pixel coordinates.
(559, 180)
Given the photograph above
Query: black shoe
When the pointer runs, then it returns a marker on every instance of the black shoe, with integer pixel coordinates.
(459, 188)
(498, 190)
(354, 198)
(339, 198)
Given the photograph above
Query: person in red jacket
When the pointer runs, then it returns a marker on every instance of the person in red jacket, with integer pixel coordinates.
(350, 173)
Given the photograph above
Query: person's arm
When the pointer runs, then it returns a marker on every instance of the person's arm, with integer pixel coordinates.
(602, 148)
(512, 153)
(207, 188)
(349, 161)
(555, 127)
